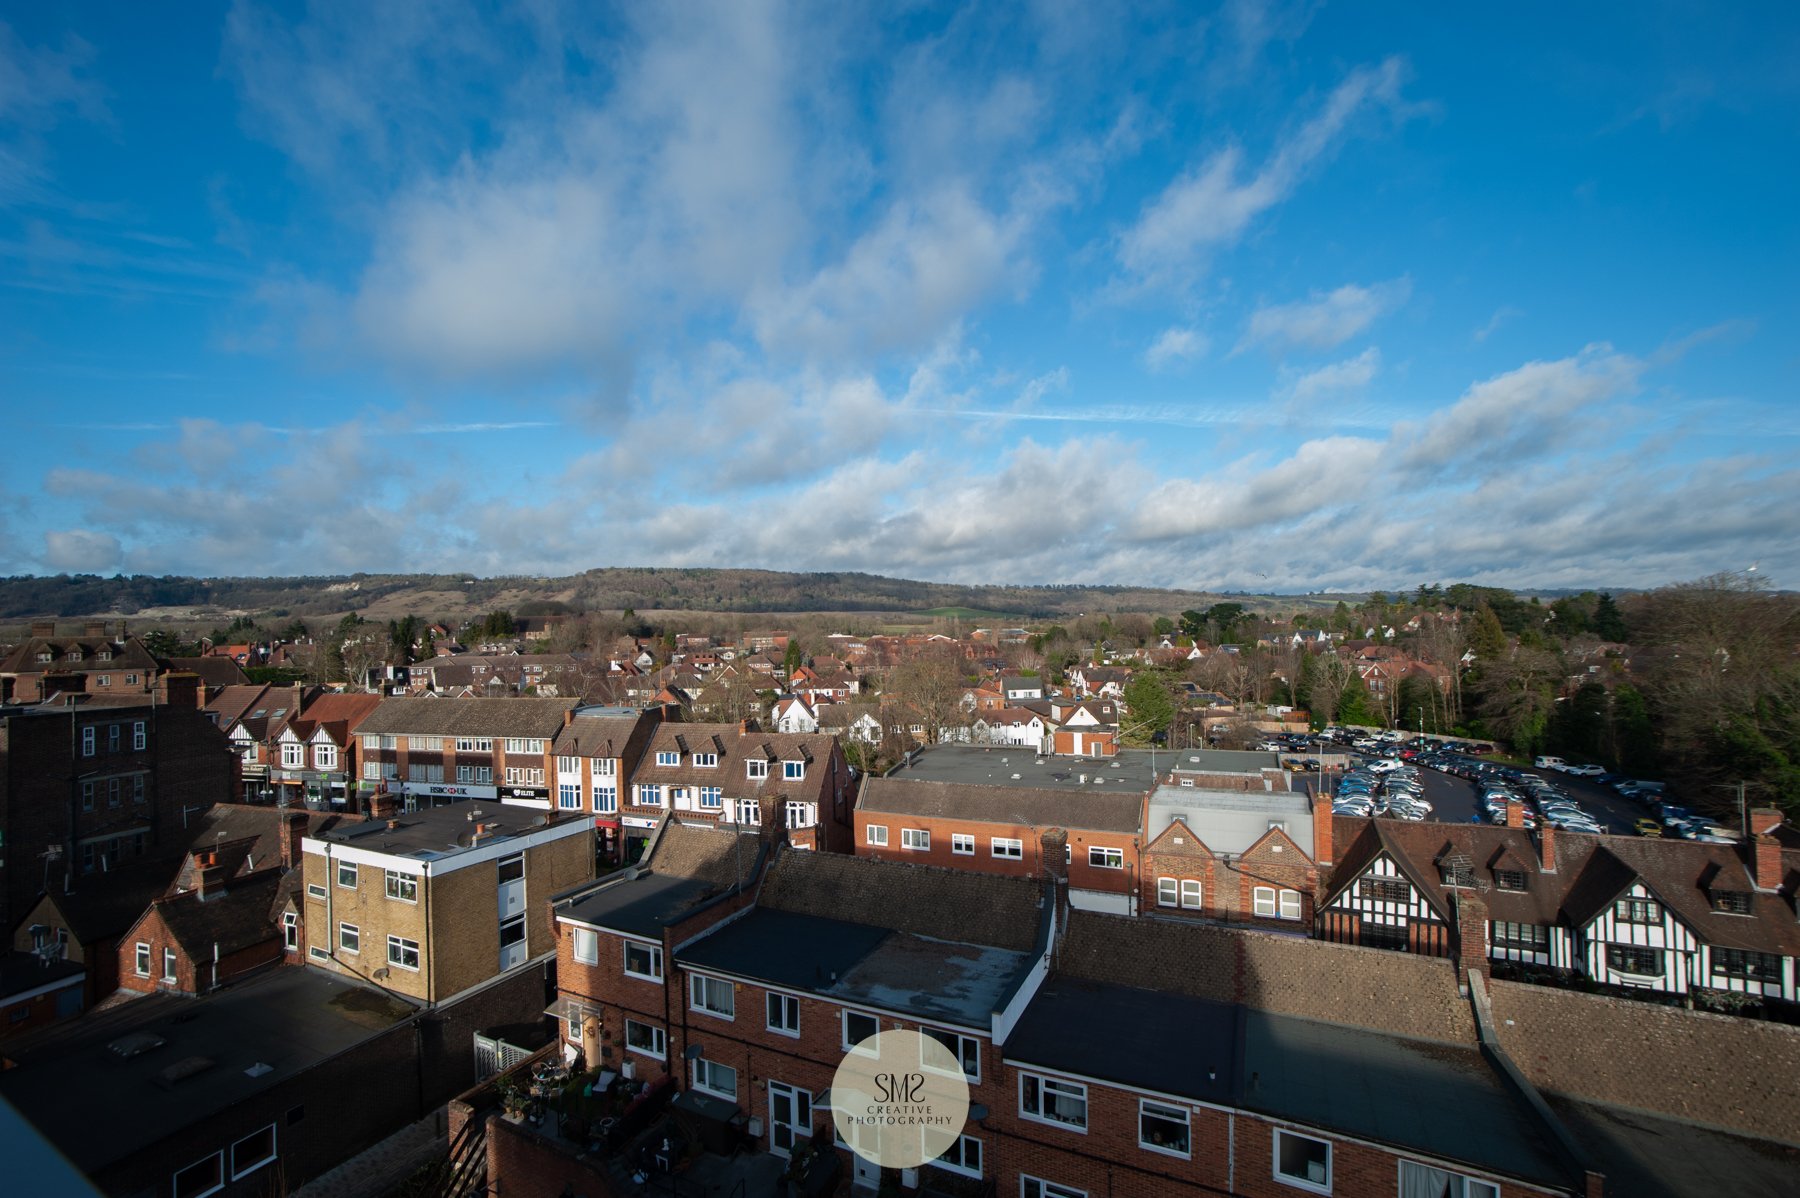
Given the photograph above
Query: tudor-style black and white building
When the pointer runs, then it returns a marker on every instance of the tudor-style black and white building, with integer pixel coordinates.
(1668, 916)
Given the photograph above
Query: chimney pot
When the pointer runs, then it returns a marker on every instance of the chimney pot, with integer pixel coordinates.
(1515, 813)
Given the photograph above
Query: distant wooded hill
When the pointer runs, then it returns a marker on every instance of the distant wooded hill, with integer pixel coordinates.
(613, 589)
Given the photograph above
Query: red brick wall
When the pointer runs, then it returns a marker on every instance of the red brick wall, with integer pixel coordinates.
(191, 975)
(1082, 876)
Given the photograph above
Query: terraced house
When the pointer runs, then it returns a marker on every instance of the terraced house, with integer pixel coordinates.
(1673, 917)
(1112, 1055)
(597, 751)
(721, 773)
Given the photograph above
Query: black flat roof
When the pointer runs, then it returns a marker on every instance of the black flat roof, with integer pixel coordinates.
(641, 906)
(72, 1087)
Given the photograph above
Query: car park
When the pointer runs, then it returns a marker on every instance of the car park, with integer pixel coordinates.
(1585, 771)
(1549, 763)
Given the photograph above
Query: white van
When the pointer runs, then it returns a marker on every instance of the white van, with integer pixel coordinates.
(1550, 763)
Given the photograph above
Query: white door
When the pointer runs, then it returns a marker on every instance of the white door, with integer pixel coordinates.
(790, 1117)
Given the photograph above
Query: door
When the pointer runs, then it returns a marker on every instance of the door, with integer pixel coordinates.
(790, 1117)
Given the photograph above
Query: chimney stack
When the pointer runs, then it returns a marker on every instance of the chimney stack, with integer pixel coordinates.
(94, 628)
(1515, 813)
(1547, 846)
(384, 805)
(43, 628)
(293, 831)
(1053, 853)
(1765, 866)
(179, 690)
(1764, 820)
(773, 810)
(1323, 830)
(568, 717)
(209, 876)
(1471, 937)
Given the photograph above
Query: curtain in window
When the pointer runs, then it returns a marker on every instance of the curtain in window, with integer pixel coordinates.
(1422, 1181)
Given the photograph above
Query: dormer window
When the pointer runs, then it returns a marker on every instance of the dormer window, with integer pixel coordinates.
(1731, 902)
(74, 655)
(1458, 875)
(706, 761)
(793, 770)
(104, 655)
(668, 757)
(756, 767)
(1510, 879)
(46, 655)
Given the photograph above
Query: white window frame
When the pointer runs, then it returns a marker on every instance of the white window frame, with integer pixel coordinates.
(1192, 887)
(290, 931)
(216, 1160)
(668, 757)
(875, 834)
(325, 757)
(1297, 905)
(317, 953)
(346, 868)
(246, 1169)
(658, 1037)
(1037, 1187)
(171, 971)
(398, 884)
(962, 1166)
(606, 799)
(293, 756)
(1102, 856)
(786, 1004)
(710, 798)
(702, 990)
(349, 939)
(1168, 1113)
(704, 1069)
(142, 959)
(655, 952)
(396, 953)
(917, 840)
(315, 890)
(1472, 1187)
(966, 1050)
(962, 844)
(793, 771)
(1299, 1183)
(584, 945)
(1168, 892)
(1006, 848)
(706, 761)
(568, 796)
(756, 768)
(89, 735)
(1263, 902)
(844, 1027)
(1068, 1089)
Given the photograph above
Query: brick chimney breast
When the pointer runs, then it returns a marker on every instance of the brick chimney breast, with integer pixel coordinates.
(1765, 866)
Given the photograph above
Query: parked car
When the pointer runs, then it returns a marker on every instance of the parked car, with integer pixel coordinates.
(1585, 771)
(1549, 763)
(1648, 827)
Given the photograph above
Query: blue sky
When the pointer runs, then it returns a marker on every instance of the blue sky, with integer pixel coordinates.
(1269, 296)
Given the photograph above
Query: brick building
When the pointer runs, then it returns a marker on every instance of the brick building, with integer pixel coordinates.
(433, 902)
(88, 785)
(597, 751)
(998, 829)
(722, 773)
(98, 662)
(436, 749)
(1246, 856)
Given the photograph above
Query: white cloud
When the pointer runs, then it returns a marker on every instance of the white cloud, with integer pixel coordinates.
(1174, 346)
(1325, 320)
(1504, 314)
(1213, 202)
(81, 551)
(1349, 375)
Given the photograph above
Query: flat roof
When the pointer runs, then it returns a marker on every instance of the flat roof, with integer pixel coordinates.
(443, 831)
(641, 906)
(1093, 808)
(995, 765)
(1439, 1100)
(68, 1083)
(927, 978)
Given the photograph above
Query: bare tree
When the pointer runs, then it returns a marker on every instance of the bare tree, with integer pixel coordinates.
(932, 684)
(1443, 642)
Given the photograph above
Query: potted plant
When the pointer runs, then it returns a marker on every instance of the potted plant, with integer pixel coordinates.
(512, 1098)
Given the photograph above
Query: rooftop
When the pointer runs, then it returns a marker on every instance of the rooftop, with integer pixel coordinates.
(1434, 1098)
(286, 1019)
(1007, 765)
(537, 719)
(1229, 821)
(438, 832)
(926, 978)
(1093, 809)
